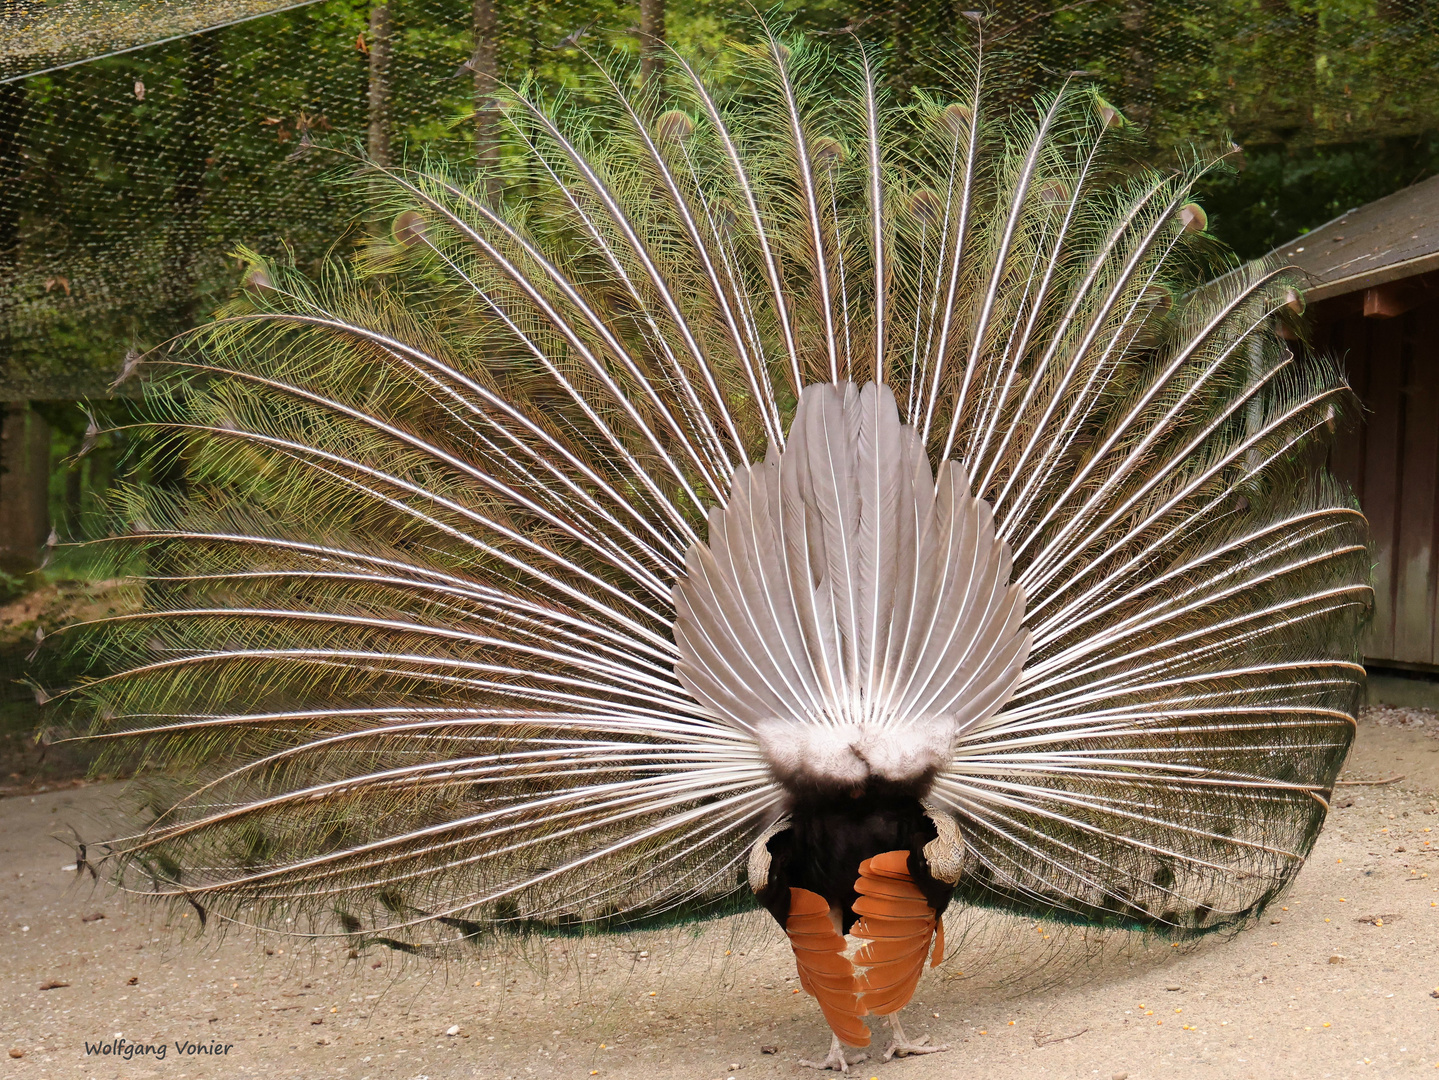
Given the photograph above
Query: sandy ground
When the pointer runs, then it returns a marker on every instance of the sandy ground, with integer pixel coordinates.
(1338, 981)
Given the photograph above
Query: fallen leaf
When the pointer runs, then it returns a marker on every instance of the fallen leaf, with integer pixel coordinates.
(1377, 920)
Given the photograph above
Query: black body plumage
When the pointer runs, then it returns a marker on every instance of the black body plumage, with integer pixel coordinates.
(828, 840)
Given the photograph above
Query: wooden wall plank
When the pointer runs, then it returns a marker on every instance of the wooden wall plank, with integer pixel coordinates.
(1379, 341)
(1346, 452)
(1414, 553)
(1391, 463)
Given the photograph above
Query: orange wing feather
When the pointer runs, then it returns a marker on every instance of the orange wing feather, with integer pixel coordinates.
(899, 923)
(825, 972)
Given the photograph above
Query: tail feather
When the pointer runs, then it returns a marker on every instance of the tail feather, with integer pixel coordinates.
(520, 553)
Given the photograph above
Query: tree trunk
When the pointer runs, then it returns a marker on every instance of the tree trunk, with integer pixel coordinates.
(485, 65)
(74, 515)
(184, 239)
(652, 42)
(12, 112)
(24, 486)
(1138, 62)
(12, 201)
(378, 145)
(906, 28)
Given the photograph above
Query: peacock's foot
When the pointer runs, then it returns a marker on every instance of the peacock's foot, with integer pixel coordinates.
(835, 1059)
(902, 1045)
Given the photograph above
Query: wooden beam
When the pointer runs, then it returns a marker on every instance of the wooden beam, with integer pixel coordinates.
(1387, 301)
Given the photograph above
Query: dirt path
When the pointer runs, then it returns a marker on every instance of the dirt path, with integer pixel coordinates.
(1270, 1002)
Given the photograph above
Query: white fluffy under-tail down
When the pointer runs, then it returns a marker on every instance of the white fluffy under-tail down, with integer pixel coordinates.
(851, 611)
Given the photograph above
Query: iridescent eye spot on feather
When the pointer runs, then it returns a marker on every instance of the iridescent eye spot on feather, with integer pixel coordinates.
(926, 207)
(826, 151)
(1054, 192)
(674, 126)
(409, 229)
(1108, 114)
(957, 118)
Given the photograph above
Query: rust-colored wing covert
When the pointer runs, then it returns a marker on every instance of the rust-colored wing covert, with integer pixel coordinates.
(899, 923)
(824, 971)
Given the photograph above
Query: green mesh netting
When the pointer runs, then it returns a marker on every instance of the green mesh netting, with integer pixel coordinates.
(180, 130)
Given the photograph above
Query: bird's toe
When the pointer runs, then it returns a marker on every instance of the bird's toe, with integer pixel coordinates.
(920, 1046)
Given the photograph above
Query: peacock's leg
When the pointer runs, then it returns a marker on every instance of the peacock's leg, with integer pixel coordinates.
(900, 1044)
(835, 1059)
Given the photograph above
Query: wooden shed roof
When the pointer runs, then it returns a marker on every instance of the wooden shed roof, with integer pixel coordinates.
(1391, 238)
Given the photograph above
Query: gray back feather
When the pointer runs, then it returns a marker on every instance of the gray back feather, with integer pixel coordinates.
(848, 611)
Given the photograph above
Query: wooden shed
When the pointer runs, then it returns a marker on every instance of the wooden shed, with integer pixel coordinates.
(1373, 304)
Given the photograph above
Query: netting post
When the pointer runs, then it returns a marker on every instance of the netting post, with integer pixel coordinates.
(1138, 64)
(183, 239)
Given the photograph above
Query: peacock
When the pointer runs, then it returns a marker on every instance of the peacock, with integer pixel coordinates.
(755, 490)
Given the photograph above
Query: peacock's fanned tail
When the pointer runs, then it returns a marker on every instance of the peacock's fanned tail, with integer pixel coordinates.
(408, 668)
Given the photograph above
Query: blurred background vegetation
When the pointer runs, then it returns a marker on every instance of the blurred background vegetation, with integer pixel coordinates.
(143, 141)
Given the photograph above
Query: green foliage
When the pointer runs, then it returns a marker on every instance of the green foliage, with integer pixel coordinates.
(12, 586)
(134, 177)
(1287, 190)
